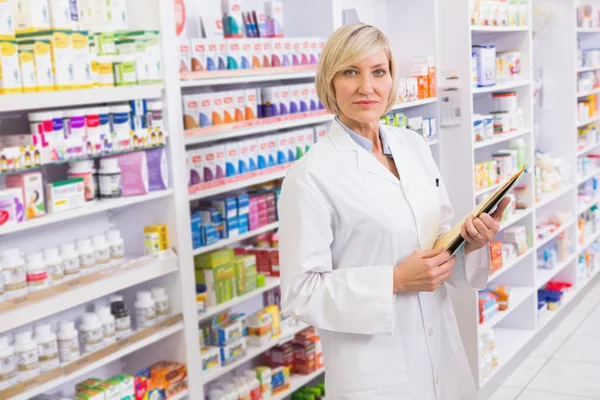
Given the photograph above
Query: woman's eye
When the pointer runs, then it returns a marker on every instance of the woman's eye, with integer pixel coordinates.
(380, 72)
(350, 72)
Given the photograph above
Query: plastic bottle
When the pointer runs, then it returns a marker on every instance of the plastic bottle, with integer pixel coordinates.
(91, 333)
(109, 177)
(519, 145)
(95, 179)
(102, 250)
(47, 347)
(108, 325)
(14, 273)
(70, 261)
(87, 256)
(145, 310)
(26, 351)
(216, 394)
(83, 169)
(37, 275)
(116, 244)
(54, 265)
(253, 385)
(122, 319)
(161, 302)
(8, 364)
(242, 387)
(231, 392)
(68, 342)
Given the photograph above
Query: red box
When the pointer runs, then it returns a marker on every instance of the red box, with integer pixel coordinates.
(263, 260)
(274, 261)
(304, 356)
(282, 356)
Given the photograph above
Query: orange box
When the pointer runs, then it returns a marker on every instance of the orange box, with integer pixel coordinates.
(170, 376)
(319, 361)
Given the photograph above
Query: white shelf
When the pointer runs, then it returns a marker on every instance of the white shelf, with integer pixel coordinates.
(226, 242)
(411, 104)
(588, 93)
(251, 353)
(271, 283)
(517, 296)
(76, 98)
(487, 189)
(499, 138)
(95, 207)
(433, 142)
(586, 177)
(298, 381)
(80, 292)
(226, 185)
(539, 243)
(588, 242)
(588, 69)
(498, 29)
(588, 30)
(587, 149)
(548, 198)
(587, 205)
(501, 87)
(542, 276)
(588, 121)
(230, 77)
(516, 217)
(510, 264)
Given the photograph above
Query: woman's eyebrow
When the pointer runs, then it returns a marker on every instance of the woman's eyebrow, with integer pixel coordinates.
(379, 65)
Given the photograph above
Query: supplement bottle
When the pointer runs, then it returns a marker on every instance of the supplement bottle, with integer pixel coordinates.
(116, 244)
(216, 394)
(108, 325)
(91, 335)
(145, 311)
(70, 261)
(122, 319)
(109, 177)
(253, 384)
(68, 342)
(92, 126)
(242, 387)
(102, 250)
(14, 273)
(87, 256)
(104, 116)
(58, 128)
(27, 355)
(121, 122)
(37, 275)
(75, 124)
(47, 347)
(8, 364)
(231, 392)
(83, 169)
(161, 302)
(41, 123)
(54, 265)
(155, 109)
(95, 179)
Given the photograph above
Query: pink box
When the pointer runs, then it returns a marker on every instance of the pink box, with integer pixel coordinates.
(253, 221)
(32, 189)
(134, 173)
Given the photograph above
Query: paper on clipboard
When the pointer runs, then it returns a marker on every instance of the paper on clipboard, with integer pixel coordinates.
(452, 240)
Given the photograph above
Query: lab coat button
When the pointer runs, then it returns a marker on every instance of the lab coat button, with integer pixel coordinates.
(431, 333)
(437, 380)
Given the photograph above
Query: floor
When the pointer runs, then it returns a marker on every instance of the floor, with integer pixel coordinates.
(566, 365)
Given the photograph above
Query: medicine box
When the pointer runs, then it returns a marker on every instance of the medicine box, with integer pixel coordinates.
(274, 18)
(210, 234)
(245, 272)
(210, 358)
(65, 195)
(9, 67)
(191, 111)
(232, 352)
(263, 374)
(259, 328)
(126, 386)
(87, 384)
(486, 64)
(213, 259)
(32, 189)
(63, 56)
(226, 333)
(111, 390)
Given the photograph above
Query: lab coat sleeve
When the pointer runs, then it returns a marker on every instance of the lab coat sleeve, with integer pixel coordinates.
(357, 300)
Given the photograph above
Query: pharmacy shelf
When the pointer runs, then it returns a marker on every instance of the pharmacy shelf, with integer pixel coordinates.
(587, 149)
(588, 242)
(501, 87)
(583, 207)
(588, 176)
(226, 242)
(251, 353)
(499, 29)
(213, 78)
(588, 93)
(125, 348)
(411, 104)
(487, 189)
(77, 98)
(588, 69)
(510, 264)
(252, 127)
(433, 142)
(542, 276)
(518, 295)
(499, 138)
(220, 186)
(298, 381)
(588, 30)
(271, 283)
(91, 208)
(588, 121)
(57, 298)
(516, 217)
(539, 243)
(548, 198)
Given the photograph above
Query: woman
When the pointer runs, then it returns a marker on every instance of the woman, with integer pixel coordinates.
(359, 214)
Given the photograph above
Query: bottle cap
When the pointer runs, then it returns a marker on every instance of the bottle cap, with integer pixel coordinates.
(57, 114)
(104, 312)
(51, 253)
(10, 253)
(120, 109)
(84, 245)
(114, 298)
(42, 330)
(113, 236)
(118, 308)
(99, 241)
(144, 296)
(66, 326)
(90, 319)
(76, 112)
(40, 116)
(158, 293)
(80, 167)
(23, 337)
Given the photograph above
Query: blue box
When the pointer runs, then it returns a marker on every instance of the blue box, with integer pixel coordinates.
(233, 227)
(197, 240)
(243, 223)
(243, 204)
(227, 207)
(210, 235)
(210, 215)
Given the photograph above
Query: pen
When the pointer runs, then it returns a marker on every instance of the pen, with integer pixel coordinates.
(437, 182)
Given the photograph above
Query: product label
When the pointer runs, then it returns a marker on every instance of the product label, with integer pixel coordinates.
(68, 350)
(76, 126)
(48, 353)
(122, 327)
(43, 65)
(15, 280)
(162, 309)
(37, 281)
(91, 340)
(105, 125)
(27, 362)
(110, 185)
(56, 271)
(8, 368)
(116, 251)
(71, 267)
(108, 332)
(102, 256)
(87, 262)
(145, 317)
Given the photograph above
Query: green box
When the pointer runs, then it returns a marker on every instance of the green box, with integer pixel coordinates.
(245, 273)
(111, 391)
(87, 384)
(90, 394)
(214, 259)
(220, 283)
(126, 386)
(105, 43)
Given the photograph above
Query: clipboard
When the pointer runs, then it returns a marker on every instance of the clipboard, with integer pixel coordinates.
(452, 240)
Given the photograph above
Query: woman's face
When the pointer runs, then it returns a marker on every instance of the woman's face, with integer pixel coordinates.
(362, 91)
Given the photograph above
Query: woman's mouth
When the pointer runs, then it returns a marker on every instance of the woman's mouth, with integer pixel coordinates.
(366, 103)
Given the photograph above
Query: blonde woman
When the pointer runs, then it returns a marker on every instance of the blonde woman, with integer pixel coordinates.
(359, 215)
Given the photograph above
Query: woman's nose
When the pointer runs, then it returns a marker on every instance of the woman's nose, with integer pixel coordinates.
(366, 86)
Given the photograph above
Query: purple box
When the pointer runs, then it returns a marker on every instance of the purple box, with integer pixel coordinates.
(134, 173)
(158, 169)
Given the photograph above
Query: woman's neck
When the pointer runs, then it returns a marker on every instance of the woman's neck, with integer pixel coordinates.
(368, 130)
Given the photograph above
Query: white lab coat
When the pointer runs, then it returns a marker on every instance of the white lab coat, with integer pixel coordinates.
(345, 222)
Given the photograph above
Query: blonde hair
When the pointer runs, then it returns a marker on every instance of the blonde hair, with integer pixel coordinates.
(348, 46)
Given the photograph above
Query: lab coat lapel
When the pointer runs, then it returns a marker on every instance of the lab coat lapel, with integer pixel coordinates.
(364, 160)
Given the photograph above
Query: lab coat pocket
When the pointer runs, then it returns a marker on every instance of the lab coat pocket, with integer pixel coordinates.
(427, 211)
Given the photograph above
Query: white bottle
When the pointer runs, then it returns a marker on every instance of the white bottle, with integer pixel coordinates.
(231, 392)
(161, 302)
(91, 336)
(14, 273)
(37, 274)
(87, 256)
(145, 311)
(253, 382)
(68, 342)
(109, 177)
(47, 347)
(116, 244)
(216, 394)
(102, 250)
(8, 364)
(242, 387)
(54, 265)
(108, 325)
(26, 351)
(70, 261)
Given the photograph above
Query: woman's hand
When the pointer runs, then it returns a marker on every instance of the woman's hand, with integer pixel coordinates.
(423, 271)
(478, 232)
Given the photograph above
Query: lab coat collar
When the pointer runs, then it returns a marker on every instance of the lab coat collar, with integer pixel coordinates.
(365, 159)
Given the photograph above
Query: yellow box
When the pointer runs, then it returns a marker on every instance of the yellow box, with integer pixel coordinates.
(214, 259)
(156, 238)
(7, 27)
(275, 319)
(82, 67)
(61, 50)
(27, 67)
(10, 73)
